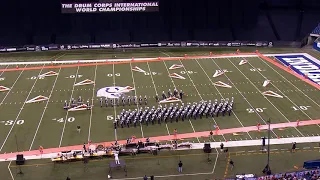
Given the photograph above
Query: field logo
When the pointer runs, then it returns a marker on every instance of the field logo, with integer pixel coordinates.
(218, 73)
(242, 62)
(84, 82)
(266, 82)
(222, 84)
(37, 99)
(47, 74)
(113, 91)
(2, 88)
(177, 76)
(176, 66)
(170, 100)
(80, 108)
(272, 94)
(304, 65)
(136, 68)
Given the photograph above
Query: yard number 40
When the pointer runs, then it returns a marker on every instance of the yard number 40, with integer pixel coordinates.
(61, 120)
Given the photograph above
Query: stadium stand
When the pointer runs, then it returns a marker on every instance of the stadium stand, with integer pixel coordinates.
(316, 30)
(306, 175)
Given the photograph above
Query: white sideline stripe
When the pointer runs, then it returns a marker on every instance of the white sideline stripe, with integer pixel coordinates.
(65, 120)
(92, 98)
(176, 86)
(244, 143)
(143, 59)
(221, 94)
(24, 103)
(264, 96)
(44, 110)
(135, 93)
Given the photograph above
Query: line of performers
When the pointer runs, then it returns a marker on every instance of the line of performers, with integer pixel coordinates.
(124, 101)
(174, 113)
(74, 103)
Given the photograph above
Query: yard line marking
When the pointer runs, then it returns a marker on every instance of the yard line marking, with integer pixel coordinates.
(44, 110)
(4, 69)
(215, 163)
(114, 107)
(92, 98)
(220, 94)
(290, 82)
(5, 140)
(65, 121)
(176, 88)
(12, 86)
(254, 109)
(284, 94)
(264, 97)
(10, 171)
(135, 93)
(154, 85)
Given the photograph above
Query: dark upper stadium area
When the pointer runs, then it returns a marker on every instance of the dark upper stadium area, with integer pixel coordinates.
(41, 22)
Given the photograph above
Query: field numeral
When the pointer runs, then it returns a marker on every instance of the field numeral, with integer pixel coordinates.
(298, 108)
(251, 110)
(74, 76)
(256, 69)
(1, 78)
(153, 73)
(11, 122)
(187, 72)
(61, 120)
(111, 75)
(36, 77)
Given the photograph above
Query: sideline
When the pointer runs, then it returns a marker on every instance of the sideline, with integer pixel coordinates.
(48, 153)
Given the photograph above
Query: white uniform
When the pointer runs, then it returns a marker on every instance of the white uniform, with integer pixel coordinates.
(116, 158)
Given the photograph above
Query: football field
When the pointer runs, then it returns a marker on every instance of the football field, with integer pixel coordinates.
(47, 124)
(26, 126)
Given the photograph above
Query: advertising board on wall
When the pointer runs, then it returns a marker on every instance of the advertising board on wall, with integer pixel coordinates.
(184, 44)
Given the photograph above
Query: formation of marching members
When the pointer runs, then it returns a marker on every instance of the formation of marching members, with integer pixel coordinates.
(123, 100)
(174, 113)
(74, 103)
